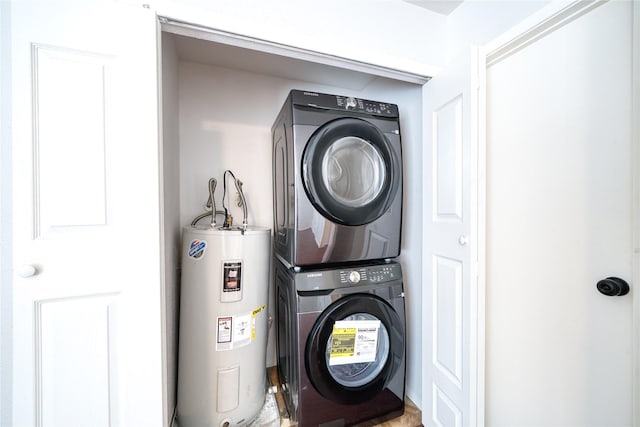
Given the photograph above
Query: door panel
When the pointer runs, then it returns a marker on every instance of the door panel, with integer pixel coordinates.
(447, 161)
(447, 315)
(86, 290)
(450, 367)
(78, 366)
(80, 79)
(559, 206)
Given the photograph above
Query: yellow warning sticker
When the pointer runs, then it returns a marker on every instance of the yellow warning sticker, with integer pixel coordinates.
(254, 313)
(257, 311)
(343, 341)
(354, 341)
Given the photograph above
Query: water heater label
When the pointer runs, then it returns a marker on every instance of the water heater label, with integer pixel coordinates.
(354, 341)
(225, 329)
(232, 276)
(196, 248)
(238, 330)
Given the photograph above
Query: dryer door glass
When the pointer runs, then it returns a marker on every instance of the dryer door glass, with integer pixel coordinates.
(351, 171)
(355, 346)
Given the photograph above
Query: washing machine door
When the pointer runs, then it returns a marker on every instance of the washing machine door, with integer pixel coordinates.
(350, 171)
(355, 347)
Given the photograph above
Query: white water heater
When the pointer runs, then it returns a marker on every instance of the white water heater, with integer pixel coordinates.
(223, 326)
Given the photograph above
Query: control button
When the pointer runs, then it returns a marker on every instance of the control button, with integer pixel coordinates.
(354, 277)
(351, 103)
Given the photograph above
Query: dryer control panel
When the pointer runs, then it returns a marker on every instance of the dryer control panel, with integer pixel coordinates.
(344, 103)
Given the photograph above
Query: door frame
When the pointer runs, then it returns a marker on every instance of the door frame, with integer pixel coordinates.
(635, 170)
(6, 216)
(550, 18)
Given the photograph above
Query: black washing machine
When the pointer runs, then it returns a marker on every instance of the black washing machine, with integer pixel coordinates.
(341, 343)
(337, 168)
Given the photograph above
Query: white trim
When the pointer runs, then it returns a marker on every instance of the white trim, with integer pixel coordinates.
(635, 168)
(6, 220)
(476, 315)
(238, 40)
(554, 16)
(166, 422)
(481, 238)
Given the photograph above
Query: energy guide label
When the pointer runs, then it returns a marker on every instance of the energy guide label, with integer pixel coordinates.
(354, 341)
(236, 331)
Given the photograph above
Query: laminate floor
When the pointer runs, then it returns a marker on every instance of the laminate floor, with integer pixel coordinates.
(411, 418)
(274, 414)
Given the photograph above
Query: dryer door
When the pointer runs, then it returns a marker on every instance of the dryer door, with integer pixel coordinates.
(350, 171)
(354, 348)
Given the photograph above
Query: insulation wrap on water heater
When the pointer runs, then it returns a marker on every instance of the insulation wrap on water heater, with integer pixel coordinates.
(223, 326)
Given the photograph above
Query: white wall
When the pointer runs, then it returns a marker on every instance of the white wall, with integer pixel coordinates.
(170, 175)
(225, 120)
(477, 22)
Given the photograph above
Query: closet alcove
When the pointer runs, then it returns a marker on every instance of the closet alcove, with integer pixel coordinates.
(220, 94)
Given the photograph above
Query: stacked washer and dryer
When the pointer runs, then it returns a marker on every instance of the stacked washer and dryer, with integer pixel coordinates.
(337, 165)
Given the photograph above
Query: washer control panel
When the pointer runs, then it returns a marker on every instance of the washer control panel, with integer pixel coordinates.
(348, 277)
(354, 277)
(371, 274)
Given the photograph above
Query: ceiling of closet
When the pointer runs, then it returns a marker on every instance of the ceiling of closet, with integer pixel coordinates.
(240, 58)
(443, 7)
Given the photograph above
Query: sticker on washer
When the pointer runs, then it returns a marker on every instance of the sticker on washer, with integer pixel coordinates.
(354, 341)
(238, 330)
(196, 248)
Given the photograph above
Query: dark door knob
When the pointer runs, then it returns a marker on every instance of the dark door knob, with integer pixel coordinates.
(613, 287)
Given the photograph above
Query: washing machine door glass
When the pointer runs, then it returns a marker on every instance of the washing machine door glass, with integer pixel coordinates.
(354, 348)
(358, 373)
(350, 171)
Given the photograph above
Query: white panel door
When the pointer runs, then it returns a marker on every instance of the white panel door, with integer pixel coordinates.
(86, 289)
(450, 374)
(560, 216)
